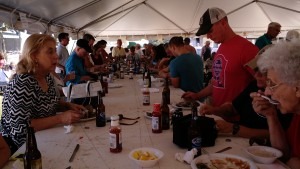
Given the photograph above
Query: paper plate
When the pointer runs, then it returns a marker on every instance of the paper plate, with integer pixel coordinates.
(147, 115)
(114, 85)
(219, 160)
(183, 108)
(87, 119)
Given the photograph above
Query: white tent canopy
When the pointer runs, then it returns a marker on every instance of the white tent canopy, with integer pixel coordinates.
(106, 18)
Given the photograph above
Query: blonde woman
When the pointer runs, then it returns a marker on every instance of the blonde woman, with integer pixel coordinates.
(30, 97)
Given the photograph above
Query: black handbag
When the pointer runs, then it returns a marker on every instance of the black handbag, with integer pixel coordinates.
(206, 126)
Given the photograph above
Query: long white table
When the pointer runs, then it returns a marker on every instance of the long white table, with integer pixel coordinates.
(56, 147)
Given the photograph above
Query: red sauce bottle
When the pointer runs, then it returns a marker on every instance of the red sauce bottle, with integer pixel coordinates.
(115, 137)
(156, 119)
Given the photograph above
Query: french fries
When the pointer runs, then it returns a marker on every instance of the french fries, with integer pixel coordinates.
(144, 155)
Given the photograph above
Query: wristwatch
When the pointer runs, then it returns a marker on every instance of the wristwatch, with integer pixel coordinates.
(235, 128)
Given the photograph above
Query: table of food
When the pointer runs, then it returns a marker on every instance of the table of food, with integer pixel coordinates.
(140, 146)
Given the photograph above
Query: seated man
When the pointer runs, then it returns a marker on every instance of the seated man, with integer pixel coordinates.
(186, 70)
(249, 123)
(75, 62)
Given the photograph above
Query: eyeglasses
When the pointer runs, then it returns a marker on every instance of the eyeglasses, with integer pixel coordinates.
(272, 86)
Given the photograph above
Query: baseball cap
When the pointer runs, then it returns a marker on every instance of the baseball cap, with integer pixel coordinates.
(211, 16)
(84, 44)
(253, 62)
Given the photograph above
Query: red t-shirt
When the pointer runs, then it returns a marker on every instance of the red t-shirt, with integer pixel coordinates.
(230, 77)
(293, 135)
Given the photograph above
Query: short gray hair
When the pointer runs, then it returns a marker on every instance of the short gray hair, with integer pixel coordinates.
(292, 35)
(274, 24)
(284, 59)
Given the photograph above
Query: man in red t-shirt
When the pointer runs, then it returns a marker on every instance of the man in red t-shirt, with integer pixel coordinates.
(230, 76)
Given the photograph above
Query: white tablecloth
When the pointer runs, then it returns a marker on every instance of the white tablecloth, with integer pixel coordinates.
(56, 147)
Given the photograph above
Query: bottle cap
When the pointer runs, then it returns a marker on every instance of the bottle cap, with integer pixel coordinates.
(156, 107)
(114, 117)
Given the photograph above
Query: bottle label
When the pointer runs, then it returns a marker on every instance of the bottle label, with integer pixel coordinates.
(36, 164)
(146, 98)
(155, 123)
(112, 141)
(102, 115)
(196, 142)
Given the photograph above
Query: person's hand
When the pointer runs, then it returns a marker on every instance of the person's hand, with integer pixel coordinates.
(224, 126)
(206, 109)
(189, 96)
(70, 76)
(70, 116)
(262, 106)
(76, 107)
(85, 78)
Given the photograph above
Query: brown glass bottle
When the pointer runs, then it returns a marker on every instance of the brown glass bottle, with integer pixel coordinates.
(194, 133)
(115, 137)
(146, 96)
(102, 84)
(121, 73)
(166, 91)
(105, 85)
(165, 113)
(148, 78)
(156, 119)
(100, 112)
(32, 156)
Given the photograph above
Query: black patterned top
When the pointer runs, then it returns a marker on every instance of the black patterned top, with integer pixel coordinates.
(24, 100)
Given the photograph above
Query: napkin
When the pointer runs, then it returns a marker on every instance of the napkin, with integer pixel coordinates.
(187, 157)
(69, 128)
(152, 90)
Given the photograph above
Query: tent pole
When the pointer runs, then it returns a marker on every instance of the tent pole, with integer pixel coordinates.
(165, 17)
(289, 9)
(74, 11)
(101, 17)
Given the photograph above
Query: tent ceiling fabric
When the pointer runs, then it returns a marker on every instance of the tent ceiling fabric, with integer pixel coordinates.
(144, 17)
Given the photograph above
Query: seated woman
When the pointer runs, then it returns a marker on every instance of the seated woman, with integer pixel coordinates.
(4, 73)
(248, 123)
(30, 97)
(96, 54)
(281, 62)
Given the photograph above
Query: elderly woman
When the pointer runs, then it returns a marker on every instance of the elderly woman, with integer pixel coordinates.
(281, 63)
(30, 97)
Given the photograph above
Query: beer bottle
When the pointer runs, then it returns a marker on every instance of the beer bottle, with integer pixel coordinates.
(156, 119)
(102, 85)
(115, 137)
(148, 78)
(146, 96)
(144, 72)
(166, 91)
(165, 113)
(32, 156)
(100, 112)
(105, 85)
(131, 73)
(194, 134)
(121, 73)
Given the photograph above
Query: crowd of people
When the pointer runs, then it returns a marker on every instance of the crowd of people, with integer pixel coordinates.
(241, 73)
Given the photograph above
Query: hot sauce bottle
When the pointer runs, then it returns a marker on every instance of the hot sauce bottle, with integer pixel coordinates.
(156, 119)
(115, 137)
